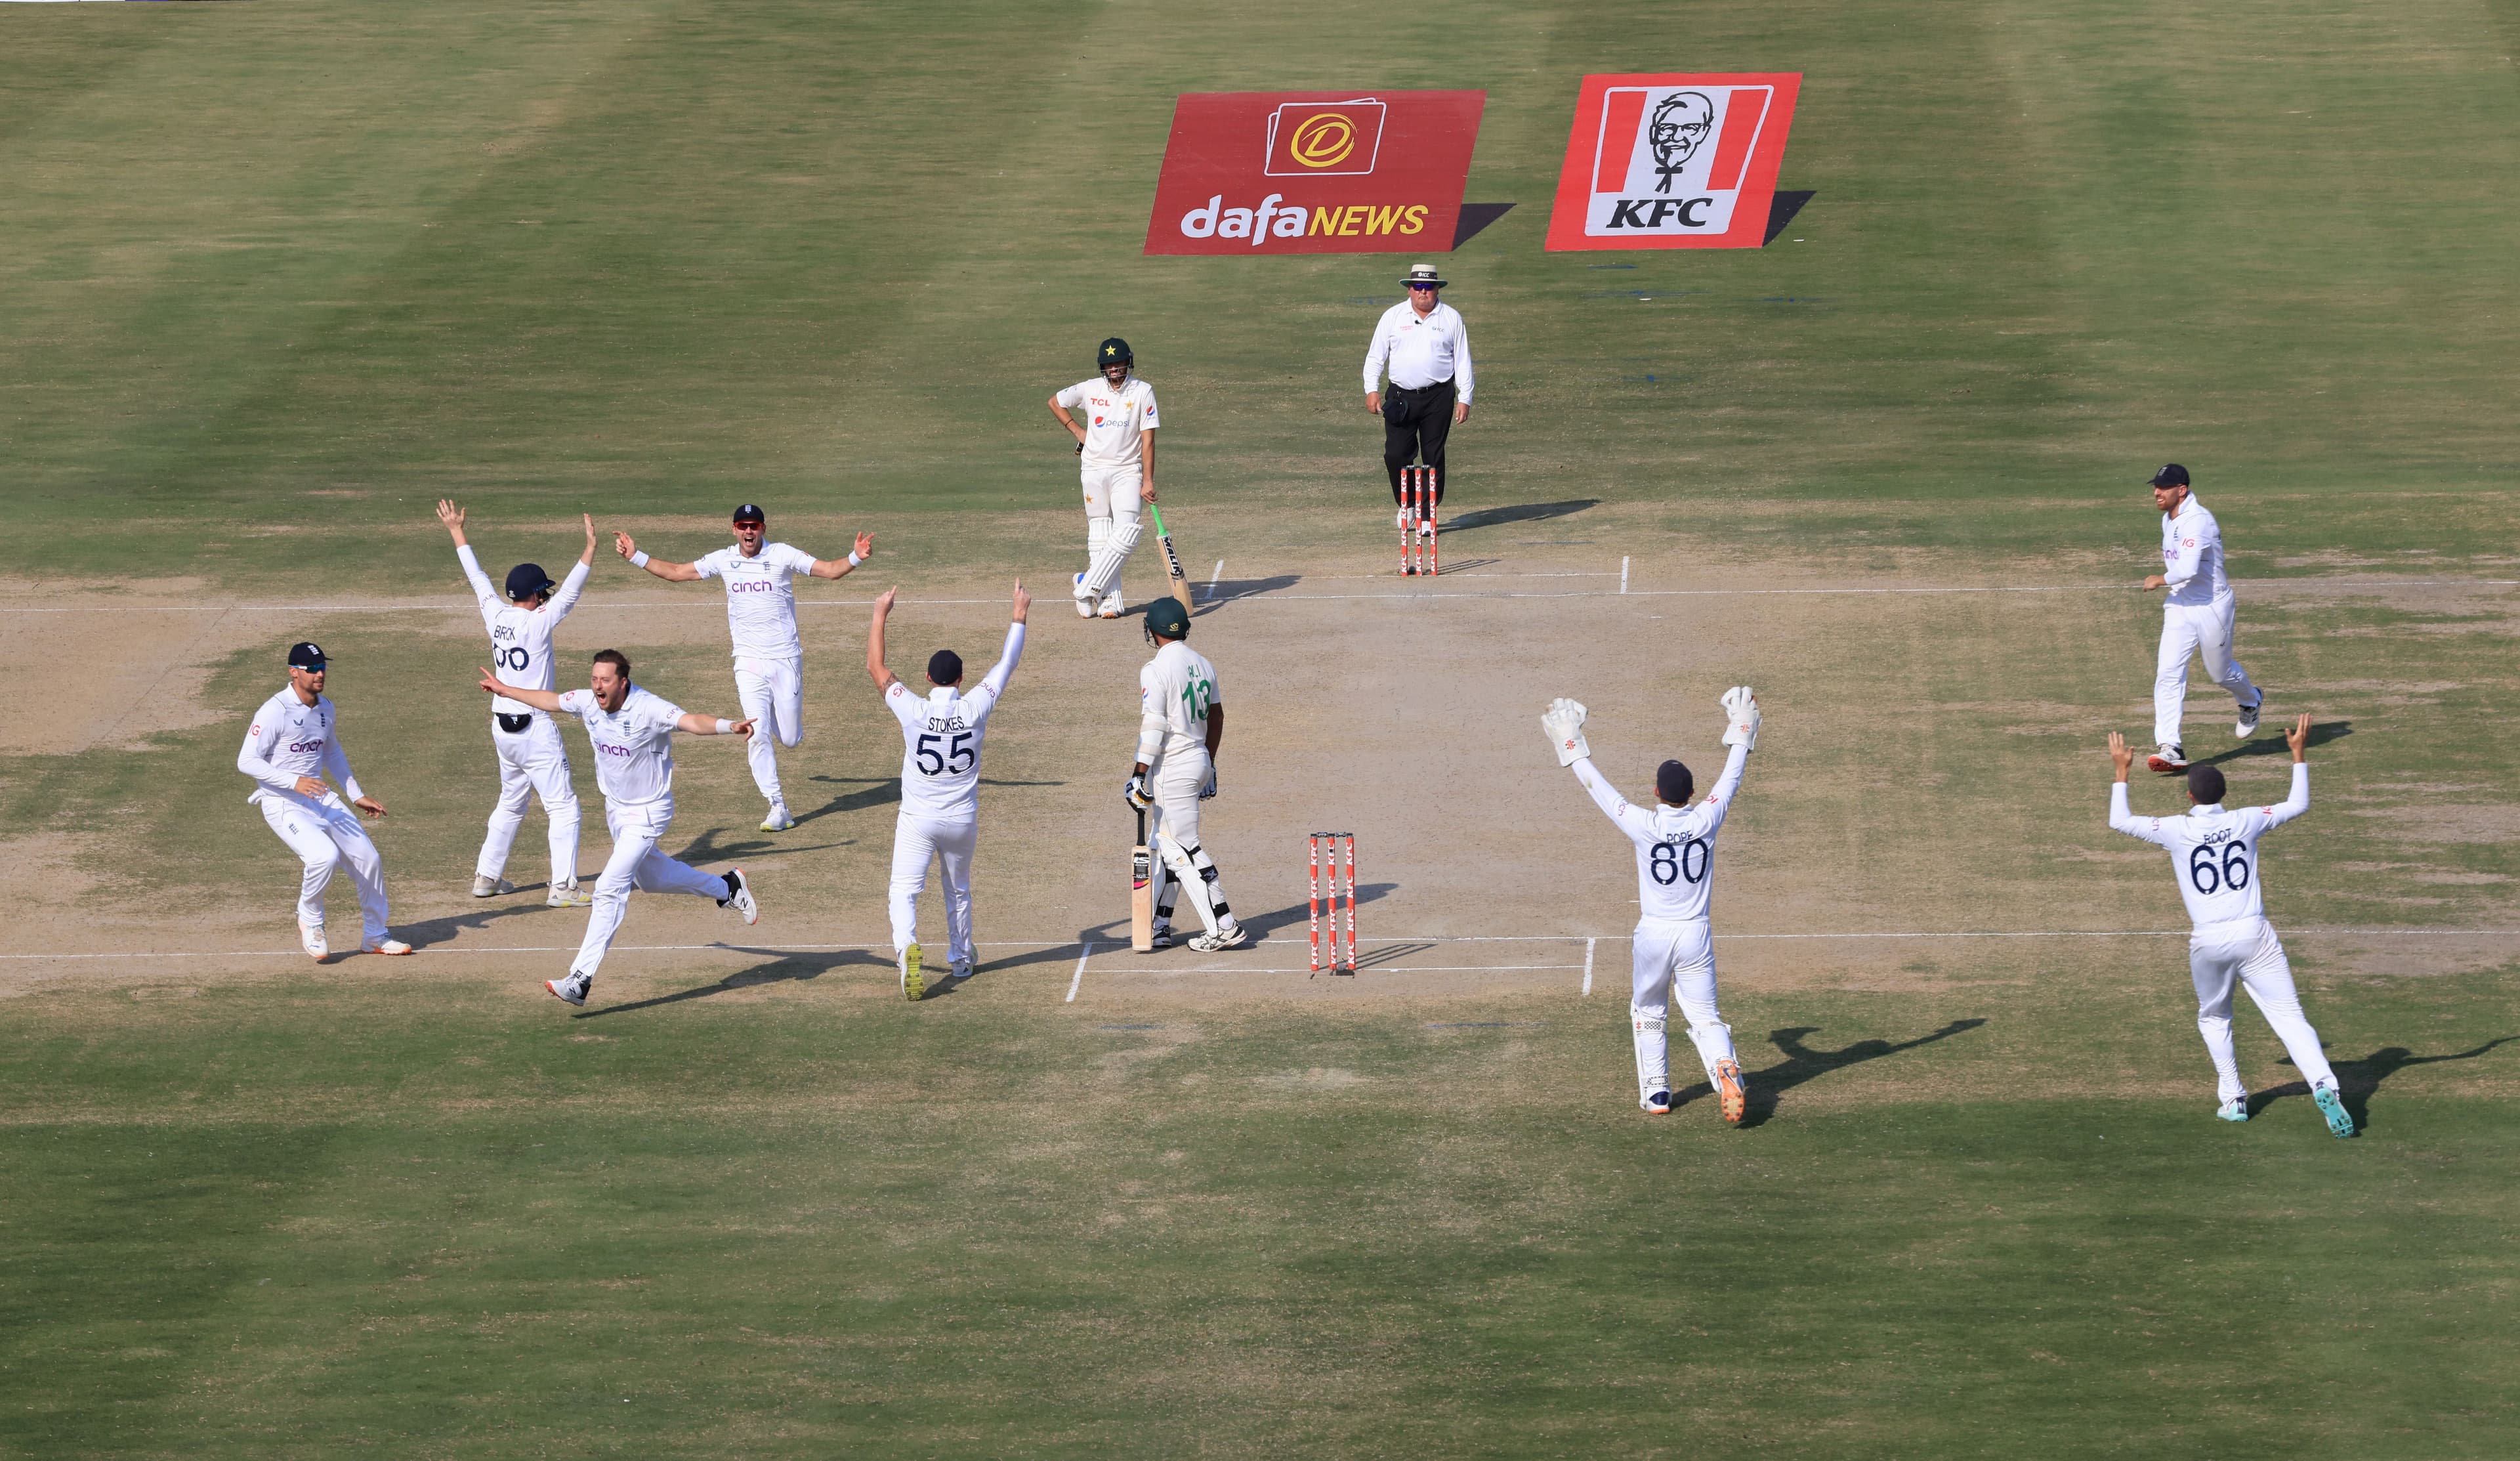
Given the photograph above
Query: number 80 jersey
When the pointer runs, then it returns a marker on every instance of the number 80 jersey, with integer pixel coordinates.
(2215, 852)
(1675, 846)
(940, 739)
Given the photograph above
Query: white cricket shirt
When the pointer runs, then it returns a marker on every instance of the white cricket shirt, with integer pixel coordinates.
(2191, 555)
(1113, 420)
(634, 746)
(2215, 852)
(1675, 846)
(1175, 692)
(290, 738)
(760, 598)
(520, 637)
(1421, 350)
(941, 735)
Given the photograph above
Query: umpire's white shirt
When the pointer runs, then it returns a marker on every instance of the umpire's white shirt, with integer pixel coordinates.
(1420, 349)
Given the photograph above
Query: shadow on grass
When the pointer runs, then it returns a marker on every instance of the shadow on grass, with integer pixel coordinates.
(707, 848)
(781, 968)
(438, 930)
(1526, 511)
(2321, 733)
(1264, 924)
(2357, 1080)
(1226, 590)
(1802, 1063)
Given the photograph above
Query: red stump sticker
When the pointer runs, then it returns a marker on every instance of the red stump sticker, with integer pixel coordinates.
(1678, 161)
(1314, 172)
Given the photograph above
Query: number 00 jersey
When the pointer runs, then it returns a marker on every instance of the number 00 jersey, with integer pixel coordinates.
(940, 739)
(2215, 852)
(520, 637)
(1675, 846)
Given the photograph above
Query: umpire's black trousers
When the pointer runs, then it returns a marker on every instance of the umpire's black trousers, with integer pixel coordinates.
(1414, 423)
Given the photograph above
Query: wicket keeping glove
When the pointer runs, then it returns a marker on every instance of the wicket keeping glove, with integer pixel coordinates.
(1137, 795)
(1563, 723)
(1741, 718)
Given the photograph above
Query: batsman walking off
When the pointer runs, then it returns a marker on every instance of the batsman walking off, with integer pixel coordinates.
(2196, 617)
(1181, 725)
(1675, 942)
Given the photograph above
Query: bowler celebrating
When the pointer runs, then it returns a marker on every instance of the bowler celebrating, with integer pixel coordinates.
(761, 618)
(1675, 941)
(295, 741)
(1116, 448)
(2196, 617)
(632, 733)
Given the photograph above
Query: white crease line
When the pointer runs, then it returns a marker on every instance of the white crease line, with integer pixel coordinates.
(1623, 575)
(1079, 980)
(1588, 966)
(1213, 578)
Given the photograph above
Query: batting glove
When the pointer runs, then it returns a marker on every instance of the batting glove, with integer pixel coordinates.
(1563, 723)
(1208, 791)
(1137, 795)
(1741, 718)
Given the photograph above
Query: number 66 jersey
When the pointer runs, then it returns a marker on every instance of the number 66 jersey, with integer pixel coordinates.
(2213, 851)
(1675, 846)
(940, 740)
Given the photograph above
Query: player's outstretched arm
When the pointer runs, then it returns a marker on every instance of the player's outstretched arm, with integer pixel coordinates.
(541, 700)
(2293, 805)
(993, 685)
(838, 568)
(2121, 755)
(453, 517)
(671, 572)
(2121, 817)
(587, 558)
(694, 723)
(877, 669)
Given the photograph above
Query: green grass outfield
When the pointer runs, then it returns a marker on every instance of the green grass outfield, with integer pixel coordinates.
(275, 275)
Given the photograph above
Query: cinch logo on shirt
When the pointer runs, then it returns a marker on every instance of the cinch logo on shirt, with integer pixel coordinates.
(305, 746)
(751, 585)
(619, 751)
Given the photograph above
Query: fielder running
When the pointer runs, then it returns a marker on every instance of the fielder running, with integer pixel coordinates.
(295, 741)
(632, 733)
(761, 620)
(2196, 617)
(532, 762)
(1181, 724)
(2214, 853)
(940, 788)
(1117, 463)
(1675, 942)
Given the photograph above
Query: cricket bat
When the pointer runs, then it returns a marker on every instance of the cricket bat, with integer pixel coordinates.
(1172, 560)
(1142, 893)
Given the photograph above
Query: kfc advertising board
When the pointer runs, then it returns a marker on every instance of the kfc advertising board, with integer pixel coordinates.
(1314, 172)
(1674, 161)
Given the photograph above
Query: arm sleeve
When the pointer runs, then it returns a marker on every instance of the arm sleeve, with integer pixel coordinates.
(2187, 556)
(338, 762)
(480, 581)
(994, 683)
(1072, 397)
(1153, 421)
(2295, 804)
(707, 565)
(1631, 820)
(1150, 721)
(571, 701)
(1462, 380)
(570, 588)
(1711, 812)
(253, 759)
(2123, 820)
(1375, 353)
(904, 706)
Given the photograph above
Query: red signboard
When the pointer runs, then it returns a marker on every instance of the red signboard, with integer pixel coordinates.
(1673, 162)
(1314, 172)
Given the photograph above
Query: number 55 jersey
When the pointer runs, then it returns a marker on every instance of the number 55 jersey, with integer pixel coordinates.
(2215, 852)
(940, 739)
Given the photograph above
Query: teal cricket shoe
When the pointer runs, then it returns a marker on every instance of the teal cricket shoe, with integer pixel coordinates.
(2340, 1121)
(2235, 1110)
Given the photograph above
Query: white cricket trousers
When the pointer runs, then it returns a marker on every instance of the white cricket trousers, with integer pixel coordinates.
(325, 834)
(916, 840)
(636, 863)
(2247, 952)
(1674, 955)
(531, 763)
(1172, 835)
(2186, 630)
(773, 692)
(1112, 500)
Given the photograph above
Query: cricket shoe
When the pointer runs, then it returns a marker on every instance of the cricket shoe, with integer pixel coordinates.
(1114, 606)
(573, 989)
(1163, 938)
(1657, 1103)
(490, 887)
(1222, 939)
(569, 894)
(778, 820)
(1083, 599)
(2340, 1121)
(2235, 1110)
(310, 936)
(2167, 758)
(1732, 1093)
(739, 896)
(388, 947)
(2248, 725)
(913, 984)
(962, 970)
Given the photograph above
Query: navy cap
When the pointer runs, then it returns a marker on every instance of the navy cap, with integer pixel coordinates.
(1673, 783)
(749, 513)
(527, 579)
(2172, 476)
(306, 655)
(944, 668)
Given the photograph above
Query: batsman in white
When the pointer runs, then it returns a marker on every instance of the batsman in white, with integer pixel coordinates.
(532, 762)
(1116, 451)
(1181, 725)
(2214, 854)
(940, 788)
(761, 618)
(632, 732)
(295, 741)
(2196, 617)
(1675, 942)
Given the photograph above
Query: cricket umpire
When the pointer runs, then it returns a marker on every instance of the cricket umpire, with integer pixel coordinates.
(1427, 348)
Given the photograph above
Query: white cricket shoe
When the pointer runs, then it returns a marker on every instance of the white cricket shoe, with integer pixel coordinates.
(739, 896)
(572, 989)
(490, 887)
(2248, 725)
(2167, 758)
(311, 937)
(388, 947)
(1083, 599)
(1656, 1101)
(1114, 606)
(961, 970)
(1162, 937)
(569, 894)
(1222, 939)
(778, 820)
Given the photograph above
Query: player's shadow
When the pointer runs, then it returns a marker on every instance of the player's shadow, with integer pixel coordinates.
(1463, 566)
(782, 967)
(1522, 512)
(874, 790)
(1801, 1063)
(431, 931)
(2357, 1080)
(2321, 733)
(707, 848)
(1211, 597)
(1262, 925)
(1387, 953)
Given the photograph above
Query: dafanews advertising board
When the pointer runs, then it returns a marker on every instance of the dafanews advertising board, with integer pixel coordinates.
(1673, 162)
(1314, 172)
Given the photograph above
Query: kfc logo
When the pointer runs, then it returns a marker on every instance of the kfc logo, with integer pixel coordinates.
(1676, 162)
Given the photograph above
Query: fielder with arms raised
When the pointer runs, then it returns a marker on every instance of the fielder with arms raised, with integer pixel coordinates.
(2215, 855)
(1181, 726)
(1675, 942)
(940, 788)
(532, 762)
(295, 741)
(761, 618)
(632, 732)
